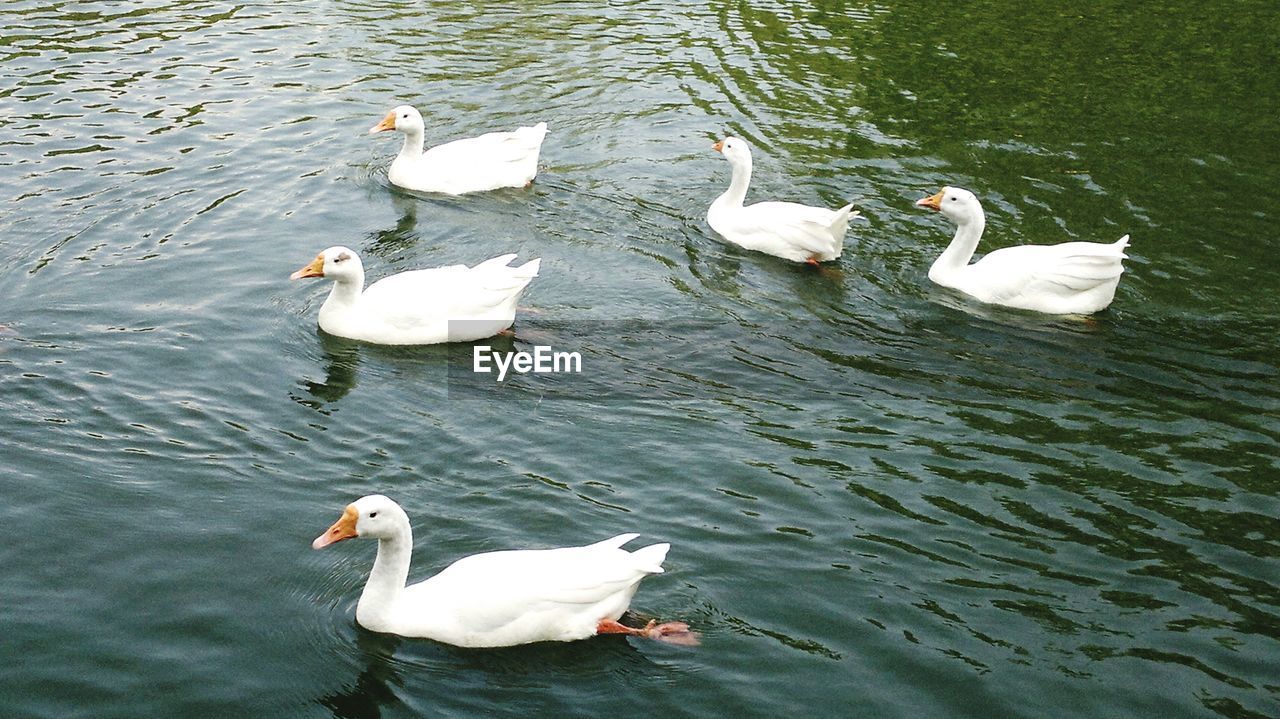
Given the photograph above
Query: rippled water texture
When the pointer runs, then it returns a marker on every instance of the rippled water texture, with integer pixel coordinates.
(883, 499)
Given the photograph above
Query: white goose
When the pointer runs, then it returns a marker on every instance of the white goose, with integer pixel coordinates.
(444, 304)
(499, 599)
(784, 229)
(476, 164)
(1070, 278)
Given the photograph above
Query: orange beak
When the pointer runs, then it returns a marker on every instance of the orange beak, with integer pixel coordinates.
(344, 528)
(315, 269)
(718, 147)
(388, 123)
(933, 202)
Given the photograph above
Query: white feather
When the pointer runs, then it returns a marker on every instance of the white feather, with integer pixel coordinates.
(496, 598)
(444, 304)
(476, 164)
(792, 231)
(1069, 278)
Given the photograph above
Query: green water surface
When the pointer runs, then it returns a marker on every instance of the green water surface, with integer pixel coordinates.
(883, 500)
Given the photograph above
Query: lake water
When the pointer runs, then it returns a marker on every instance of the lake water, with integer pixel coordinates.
(883, 500)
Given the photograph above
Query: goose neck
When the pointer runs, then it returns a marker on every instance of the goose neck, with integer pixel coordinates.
(413, 143)
(386, 580)
(961, 249)
(737, 192)
(346, 291)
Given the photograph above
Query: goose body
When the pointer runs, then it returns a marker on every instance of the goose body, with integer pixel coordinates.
(498, 599)
(1070, 278)
(475, 164)
(444, 304)
(789, 230)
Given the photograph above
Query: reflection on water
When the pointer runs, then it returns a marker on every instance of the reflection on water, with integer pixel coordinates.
(341, 360)
(392, 241)
(371, 691)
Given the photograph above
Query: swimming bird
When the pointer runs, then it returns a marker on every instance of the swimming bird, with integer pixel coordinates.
(499, 599)
(475, 164)
(443, 304)
(784, 229)
(1070, 278)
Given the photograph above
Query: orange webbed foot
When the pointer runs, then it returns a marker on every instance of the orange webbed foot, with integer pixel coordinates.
(668, 632)
(677, 633)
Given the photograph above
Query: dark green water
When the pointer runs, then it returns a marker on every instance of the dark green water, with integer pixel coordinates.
(883, 501)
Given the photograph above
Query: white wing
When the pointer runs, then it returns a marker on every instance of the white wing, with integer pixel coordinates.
(1044, 271)
(537, 594)
(456, 292)
(492, 160)
(491, 148)
(803, 229)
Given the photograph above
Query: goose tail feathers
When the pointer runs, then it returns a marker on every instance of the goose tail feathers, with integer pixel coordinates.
(649, 559)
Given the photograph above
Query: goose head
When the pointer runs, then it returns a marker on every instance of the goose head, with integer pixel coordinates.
(337, 263)
(958, 204)
(371, 517)
(735, 149)
(404, 118)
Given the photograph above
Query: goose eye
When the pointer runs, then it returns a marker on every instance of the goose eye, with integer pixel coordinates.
(372, 515)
